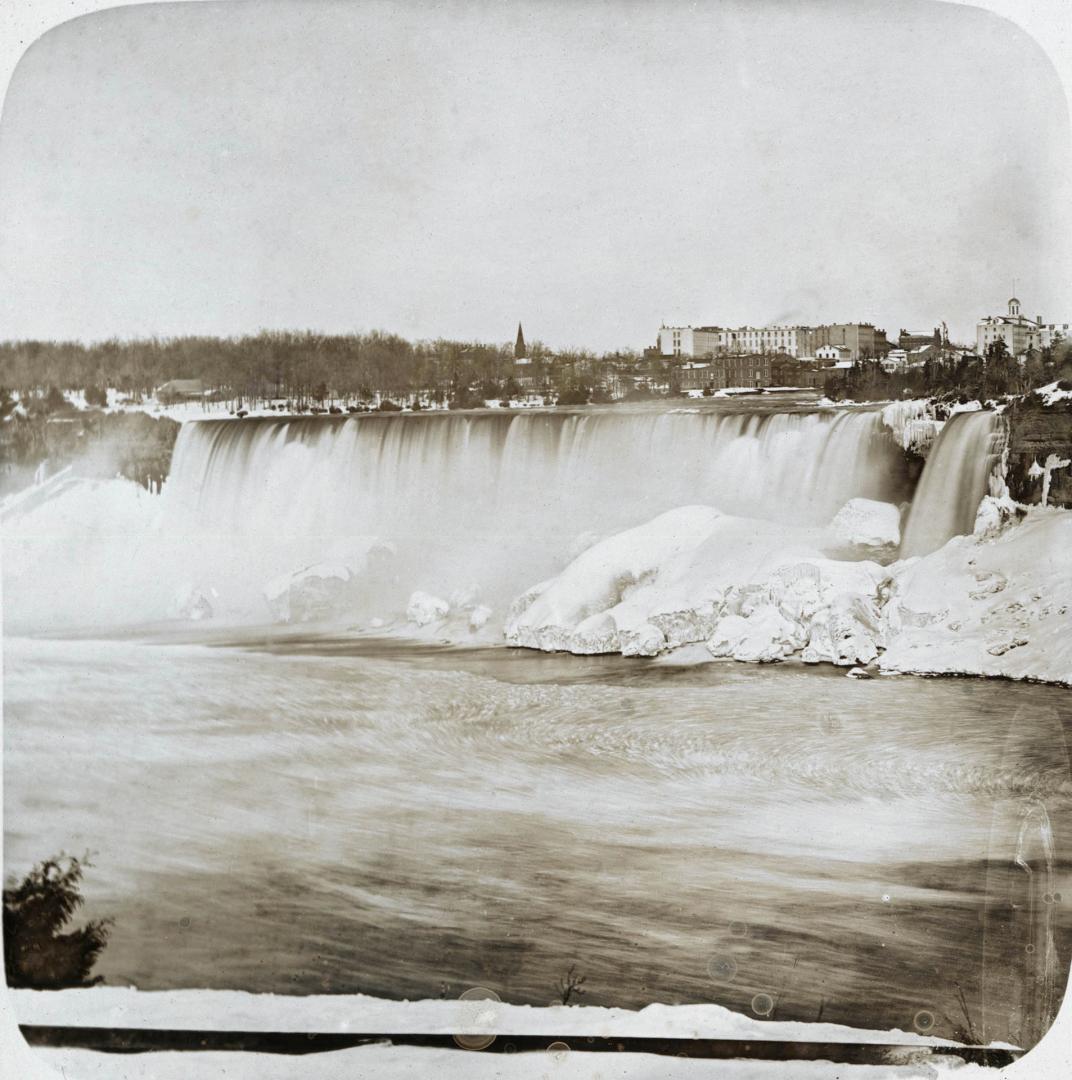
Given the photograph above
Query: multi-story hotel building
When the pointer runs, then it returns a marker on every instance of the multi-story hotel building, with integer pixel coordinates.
(705, 342)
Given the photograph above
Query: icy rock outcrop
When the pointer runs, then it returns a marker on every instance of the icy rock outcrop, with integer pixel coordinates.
(424, 608)
(354, 569)
(478, 617)
(763, 637)
(461, 614)
(823, 609)
(995, 513)
(317, 592)
(912, 424)
(867, 523)
(1046, 471)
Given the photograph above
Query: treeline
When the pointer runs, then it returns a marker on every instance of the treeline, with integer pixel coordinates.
(981, 378)
(298, 367)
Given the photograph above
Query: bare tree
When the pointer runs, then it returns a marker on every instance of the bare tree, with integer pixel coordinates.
(570, 984)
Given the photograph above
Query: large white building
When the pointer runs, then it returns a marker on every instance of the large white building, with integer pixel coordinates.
(709, 341)
(1017, 331)
(863, 340)
(1051, 333)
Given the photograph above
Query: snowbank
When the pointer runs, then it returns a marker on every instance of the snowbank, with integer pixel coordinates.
(867, 523)
(386, 1062)
(1052, 393)
(987, 605)
(237, 1010)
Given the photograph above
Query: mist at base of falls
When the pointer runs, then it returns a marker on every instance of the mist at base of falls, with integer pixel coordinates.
(479, 505)
(496, 502)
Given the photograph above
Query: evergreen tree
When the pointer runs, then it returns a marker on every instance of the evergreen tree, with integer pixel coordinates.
(38, 954)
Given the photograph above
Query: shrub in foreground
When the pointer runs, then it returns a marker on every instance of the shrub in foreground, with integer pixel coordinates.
(38, 954)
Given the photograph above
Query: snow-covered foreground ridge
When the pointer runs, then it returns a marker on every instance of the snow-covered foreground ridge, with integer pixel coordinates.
(996, 603)
(236, 1010)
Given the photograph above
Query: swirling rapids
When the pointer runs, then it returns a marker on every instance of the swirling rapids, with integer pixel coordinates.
(865, 753)
(330, 817)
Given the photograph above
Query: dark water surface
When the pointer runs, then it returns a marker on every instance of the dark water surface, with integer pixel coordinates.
(329, 815)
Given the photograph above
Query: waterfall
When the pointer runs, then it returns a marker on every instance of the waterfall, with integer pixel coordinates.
(499, 499)
(482, 504)
(953, 482)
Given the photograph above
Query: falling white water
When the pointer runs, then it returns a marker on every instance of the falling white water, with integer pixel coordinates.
(495, 501)
(479, 505)
(953, 482)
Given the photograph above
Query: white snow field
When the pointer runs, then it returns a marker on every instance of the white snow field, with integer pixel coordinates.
(912, 1056)
(236, 1010)
(385, 1062)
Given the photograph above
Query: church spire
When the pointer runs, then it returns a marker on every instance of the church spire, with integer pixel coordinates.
(519, 346)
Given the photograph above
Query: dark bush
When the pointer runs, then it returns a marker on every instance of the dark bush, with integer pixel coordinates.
(387, 405)
(38, 955)
(466, 399)
(573, 396)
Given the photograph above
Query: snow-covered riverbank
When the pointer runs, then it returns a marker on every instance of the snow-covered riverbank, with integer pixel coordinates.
(234, 1010)
(903, 1054)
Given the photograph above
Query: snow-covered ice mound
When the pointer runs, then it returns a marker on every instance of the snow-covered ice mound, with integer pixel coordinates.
(752, 589)
(912, 424)
(867, 523)
(999, 605)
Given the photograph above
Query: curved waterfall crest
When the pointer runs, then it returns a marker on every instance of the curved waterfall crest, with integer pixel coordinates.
(500, 499)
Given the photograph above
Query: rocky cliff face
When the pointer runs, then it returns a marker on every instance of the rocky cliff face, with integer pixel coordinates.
(1040, 438)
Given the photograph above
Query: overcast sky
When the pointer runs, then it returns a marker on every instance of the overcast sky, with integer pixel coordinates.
(591, 169)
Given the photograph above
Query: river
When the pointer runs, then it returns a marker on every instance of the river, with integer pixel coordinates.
(297, 813)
